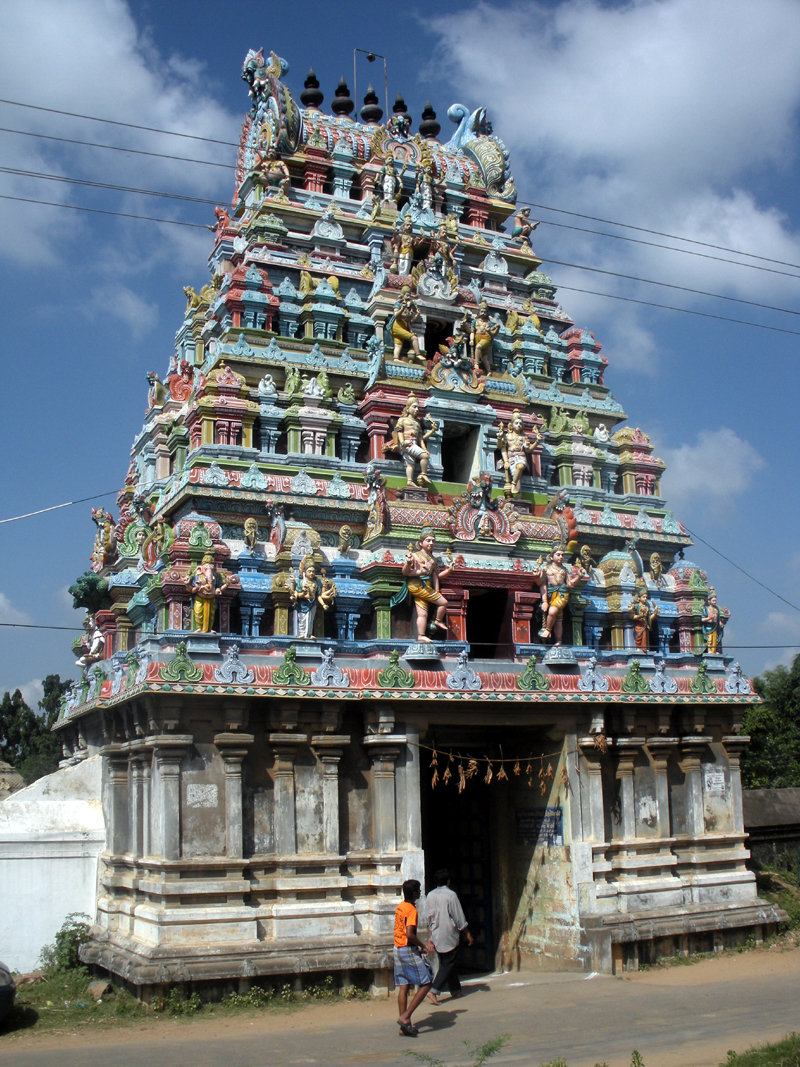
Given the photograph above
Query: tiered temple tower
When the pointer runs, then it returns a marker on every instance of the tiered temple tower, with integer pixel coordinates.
(388, 590)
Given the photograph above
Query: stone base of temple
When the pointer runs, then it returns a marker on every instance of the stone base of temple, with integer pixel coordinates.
(215, 971)
(621, 942)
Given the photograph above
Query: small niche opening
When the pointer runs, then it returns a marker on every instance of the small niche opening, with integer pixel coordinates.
(489, 623)
(459, 444)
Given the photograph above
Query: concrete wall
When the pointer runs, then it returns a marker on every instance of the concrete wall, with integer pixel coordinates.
(51, 834)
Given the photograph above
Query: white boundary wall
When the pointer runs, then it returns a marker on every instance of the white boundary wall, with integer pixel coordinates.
(51, 834)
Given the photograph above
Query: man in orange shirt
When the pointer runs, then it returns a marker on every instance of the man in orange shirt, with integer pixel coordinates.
(410, 965)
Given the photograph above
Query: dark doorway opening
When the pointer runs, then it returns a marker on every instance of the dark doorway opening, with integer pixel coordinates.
(459, 443)
(455, 835)
(488, 623)
(436, 333)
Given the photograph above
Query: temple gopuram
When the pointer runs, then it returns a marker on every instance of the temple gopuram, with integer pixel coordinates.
(391, 586)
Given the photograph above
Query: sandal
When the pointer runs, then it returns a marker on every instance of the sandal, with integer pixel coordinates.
(407, 1029)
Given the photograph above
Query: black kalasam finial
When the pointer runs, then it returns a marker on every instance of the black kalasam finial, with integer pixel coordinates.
(342, 103)
(311, 95)
(371, 111)
(429, 127)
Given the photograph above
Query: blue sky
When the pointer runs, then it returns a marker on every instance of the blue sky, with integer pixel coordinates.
(672, 115)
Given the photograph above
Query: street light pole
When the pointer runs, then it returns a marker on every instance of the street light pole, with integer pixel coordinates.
(371, 57)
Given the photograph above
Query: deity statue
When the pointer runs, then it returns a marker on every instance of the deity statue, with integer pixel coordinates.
(250, 534)
(409, 440)
(485, 330)
(426, 183)
(378, 515)
(403, 316)
(556, 583)
(309, 593)
(92, 643)
(656, 569)
(445, 245)
(404, 244)
(389, 181)
(345, 539)
(643, 612)
(422, 575)
(157, 393)
(515, 448)
(205, 587)
(713, 623)
(105, 542)
(274, 172)
(523, 228)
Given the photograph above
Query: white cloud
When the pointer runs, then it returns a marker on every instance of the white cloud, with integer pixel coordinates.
(653, 112)
(784, 628)
(107, 68)
(715, 470)
(10, 614)
(32, 693)
(124, 304)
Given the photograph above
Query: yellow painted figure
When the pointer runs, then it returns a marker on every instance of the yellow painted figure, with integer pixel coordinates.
(422, 574)
(205, 590)
(406, 312)
(556, 584)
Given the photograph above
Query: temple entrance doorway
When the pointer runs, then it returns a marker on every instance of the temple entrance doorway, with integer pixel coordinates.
(486, 834)
(455, 835)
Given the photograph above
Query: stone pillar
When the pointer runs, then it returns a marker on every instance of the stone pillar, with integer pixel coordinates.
(660, 750)
(115, 798)
(457, 600)
(734, 745)
(627, 747)
(593, 757)
(524, 607)
(233, 749)
(285, 748)
(136, 806)
(169, 750)
(691, 755)
(328, 749)
(146, 832)
(384, 750)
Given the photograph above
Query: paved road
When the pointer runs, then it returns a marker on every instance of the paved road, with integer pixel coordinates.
(687, 1016)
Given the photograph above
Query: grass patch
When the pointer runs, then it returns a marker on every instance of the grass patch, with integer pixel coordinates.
(62, 1002)
(785, 1053)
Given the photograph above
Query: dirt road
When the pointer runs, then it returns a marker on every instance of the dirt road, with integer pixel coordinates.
(684, 1016)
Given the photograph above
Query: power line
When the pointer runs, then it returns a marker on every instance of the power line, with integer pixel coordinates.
(529, 203)
(568, 288)
(106, 185)
(659, 233)
(668, 248)
(115, 148)
(55, 507)
(669, 285)
(744, 572)
(102, 211)
(201, 200)
(473, 644)
(116, 122)
(685, 311)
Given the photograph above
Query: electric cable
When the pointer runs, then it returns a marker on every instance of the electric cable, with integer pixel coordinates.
(745, 573)
(56, 507)
(685, 311)
(670, 285)
(103, 211)
(668, 248)
(658, 233)
(526, 203)
(116, 148)
(106, 185)
(116, 122)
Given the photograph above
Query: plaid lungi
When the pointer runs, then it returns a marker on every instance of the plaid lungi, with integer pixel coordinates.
(410, 967)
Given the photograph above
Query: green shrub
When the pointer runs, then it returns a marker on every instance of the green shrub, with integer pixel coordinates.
(62, 955)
